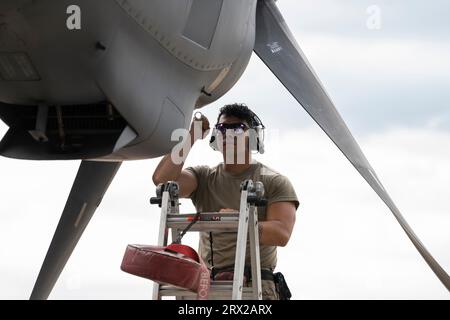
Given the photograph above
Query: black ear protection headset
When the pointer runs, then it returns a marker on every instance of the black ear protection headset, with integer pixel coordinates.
(256, 137)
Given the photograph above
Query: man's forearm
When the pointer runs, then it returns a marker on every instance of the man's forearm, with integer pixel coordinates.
(167, 170)
(273, 233)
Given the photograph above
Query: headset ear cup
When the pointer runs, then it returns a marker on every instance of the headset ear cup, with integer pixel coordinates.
(257, 135)
(213, 140)
(260, 141)
(253, 139)
(260, 146)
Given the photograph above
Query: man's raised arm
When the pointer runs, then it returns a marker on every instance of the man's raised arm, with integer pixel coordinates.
(168, 170)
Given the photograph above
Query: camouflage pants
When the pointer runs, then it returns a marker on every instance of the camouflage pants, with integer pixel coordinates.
(269, 290)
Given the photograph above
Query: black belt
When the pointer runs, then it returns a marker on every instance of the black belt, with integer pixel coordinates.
(267, 275)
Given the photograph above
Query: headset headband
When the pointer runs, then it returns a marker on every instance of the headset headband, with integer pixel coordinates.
(256, 120)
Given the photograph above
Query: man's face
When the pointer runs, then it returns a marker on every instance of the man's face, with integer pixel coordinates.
(233, 138)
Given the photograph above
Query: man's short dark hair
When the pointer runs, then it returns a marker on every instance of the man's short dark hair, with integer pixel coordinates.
(238, 110)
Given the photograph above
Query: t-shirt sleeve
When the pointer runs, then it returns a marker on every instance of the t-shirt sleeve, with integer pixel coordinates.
(200, 172)
(280, 189)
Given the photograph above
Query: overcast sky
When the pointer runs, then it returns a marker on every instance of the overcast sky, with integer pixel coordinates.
(391, 85)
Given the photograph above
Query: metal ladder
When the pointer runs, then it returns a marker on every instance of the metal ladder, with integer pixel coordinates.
(245, 221)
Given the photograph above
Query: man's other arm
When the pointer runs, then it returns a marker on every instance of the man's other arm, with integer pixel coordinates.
(280, 220)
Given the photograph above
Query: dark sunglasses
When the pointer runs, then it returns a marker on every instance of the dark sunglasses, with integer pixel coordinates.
(238, 128)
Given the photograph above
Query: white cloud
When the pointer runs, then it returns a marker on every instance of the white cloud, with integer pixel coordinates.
(408, 59)
(348, 236)
(345, 245)
(396, 76)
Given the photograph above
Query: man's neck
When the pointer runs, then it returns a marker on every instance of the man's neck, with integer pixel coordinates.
(238, 168)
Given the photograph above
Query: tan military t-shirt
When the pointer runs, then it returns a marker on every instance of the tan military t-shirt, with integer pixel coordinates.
(218, 189)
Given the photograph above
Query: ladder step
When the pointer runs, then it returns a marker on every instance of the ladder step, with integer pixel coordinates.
(206, 216)
(218, 290)
(208, 221)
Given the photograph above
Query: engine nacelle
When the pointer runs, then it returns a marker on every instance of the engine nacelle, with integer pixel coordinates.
(152, 61)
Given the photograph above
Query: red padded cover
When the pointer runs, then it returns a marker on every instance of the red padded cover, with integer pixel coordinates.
(168, 267)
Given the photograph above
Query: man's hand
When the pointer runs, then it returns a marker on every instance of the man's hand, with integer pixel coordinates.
(199, 128)
(228, 210)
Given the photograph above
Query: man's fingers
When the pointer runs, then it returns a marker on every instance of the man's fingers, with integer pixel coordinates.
(206, 132)
(205, 125)
(205, 122)
(228, 210)
(205, 128)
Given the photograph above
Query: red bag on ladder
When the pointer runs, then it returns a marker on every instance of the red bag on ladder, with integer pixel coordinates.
(176, 264)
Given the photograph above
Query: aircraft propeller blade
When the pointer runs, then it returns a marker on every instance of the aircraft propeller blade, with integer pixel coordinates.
(92, 181)
(278, 49)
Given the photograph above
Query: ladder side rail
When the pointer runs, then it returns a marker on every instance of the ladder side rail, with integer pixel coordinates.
(163, 232)
(255, 253)
(241, 245)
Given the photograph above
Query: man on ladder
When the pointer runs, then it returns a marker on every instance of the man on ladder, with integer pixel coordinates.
(237, 133)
